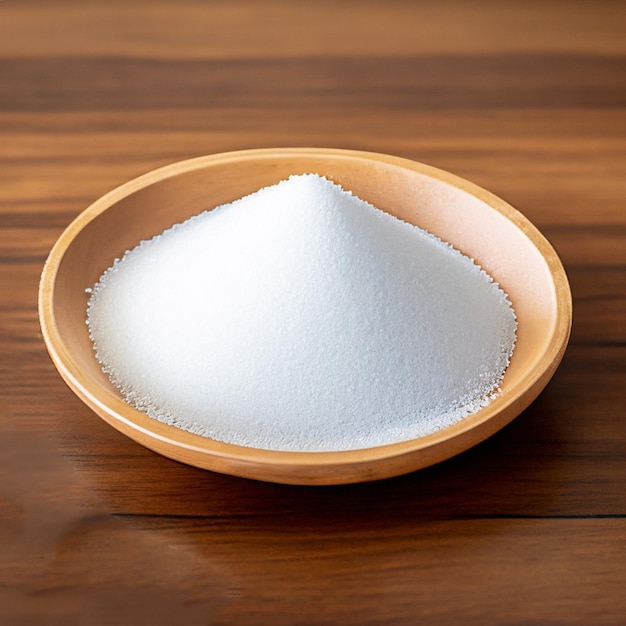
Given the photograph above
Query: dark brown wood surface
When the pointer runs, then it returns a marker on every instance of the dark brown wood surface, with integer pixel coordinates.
(527, 99)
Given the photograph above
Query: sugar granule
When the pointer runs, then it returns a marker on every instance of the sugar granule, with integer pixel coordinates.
(301, 318)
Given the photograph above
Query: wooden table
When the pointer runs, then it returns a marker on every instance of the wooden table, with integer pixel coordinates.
(527, 99)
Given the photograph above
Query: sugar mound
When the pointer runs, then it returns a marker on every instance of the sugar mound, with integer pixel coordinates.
(301, 318)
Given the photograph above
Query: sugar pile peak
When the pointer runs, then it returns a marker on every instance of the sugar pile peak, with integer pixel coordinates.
(301, 318)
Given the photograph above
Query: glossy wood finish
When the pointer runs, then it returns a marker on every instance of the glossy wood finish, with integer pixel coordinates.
(525, 99)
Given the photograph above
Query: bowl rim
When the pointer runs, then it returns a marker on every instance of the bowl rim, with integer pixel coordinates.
(249, 460)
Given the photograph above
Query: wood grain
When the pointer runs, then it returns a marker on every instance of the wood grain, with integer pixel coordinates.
(525, 99)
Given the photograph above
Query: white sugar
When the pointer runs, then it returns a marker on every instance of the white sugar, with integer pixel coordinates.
(301, 318)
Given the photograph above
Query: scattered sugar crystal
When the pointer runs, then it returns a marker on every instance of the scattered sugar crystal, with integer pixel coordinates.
(301, 318)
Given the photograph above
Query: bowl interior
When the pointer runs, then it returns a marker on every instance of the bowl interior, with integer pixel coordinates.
(485, 228)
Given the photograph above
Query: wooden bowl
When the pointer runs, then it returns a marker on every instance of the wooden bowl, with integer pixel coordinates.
(478, 223)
